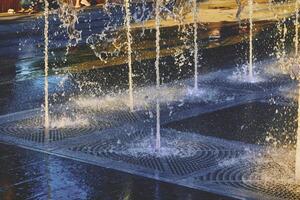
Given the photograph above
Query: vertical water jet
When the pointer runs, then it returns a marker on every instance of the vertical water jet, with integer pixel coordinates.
(195, 21)
(296, 27)
(282, 46)
(283, 39)
(129, 52)
(239, 10)
(250, 66)
(297, 165)
(46, 69)
(157, 40)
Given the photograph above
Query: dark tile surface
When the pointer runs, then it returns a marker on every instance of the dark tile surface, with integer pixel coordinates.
(250, 123)
(26, 174)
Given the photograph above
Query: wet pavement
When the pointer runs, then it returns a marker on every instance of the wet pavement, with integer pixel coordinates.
(21, 60)
(250, 123)
(27, 174)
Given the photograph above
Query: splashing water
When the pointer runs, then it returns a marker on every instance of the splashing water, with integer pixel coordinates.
(110, 41)
(248, 74)
(46, 60)
(195, 19)
(283, 40)
(270, 166)
(203, 95)
(145, 98)
(250, 69)
(171, 147)
(68, 122)
(157, 27)
(129, 51)
(280, 48)
(297, 165)
(99, 43)
(296, 27)
(241, 75)
(239, 10)
(68, 16)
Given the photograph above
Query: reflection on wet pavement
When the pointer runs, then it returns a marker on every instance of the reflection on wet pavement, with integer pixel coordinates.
(26, 174)
(32, 175)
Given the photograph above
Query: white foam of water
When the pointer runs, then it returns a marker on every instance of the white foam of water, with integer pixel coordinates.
(290, 66)
(68, 122)
(108, 102)
(271, 165)
(282, 162)
(289, 92)
(274, 67)
(202, 94)
(146, 97)
(241, 75)
(169, 147)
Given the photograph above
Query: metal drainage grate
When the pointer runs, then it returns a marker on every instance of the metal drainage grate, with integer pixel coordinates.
(181, 153)
(251, 177)
(31, 129)
(205, 159)
(115, 148)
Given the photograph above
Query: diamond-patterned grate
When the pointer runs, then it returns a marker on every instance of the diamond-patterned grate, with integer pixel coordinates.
(202, 154)
(31, 129)
(113, 148)
(267, 179)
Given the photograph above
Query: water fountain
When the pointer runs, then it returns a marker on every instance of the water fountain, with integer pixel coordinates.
(129, 51)
(195, 20)
(157, 40)
(283, 41)
(250, 66)
(296, 28)
(120, 139)
(297, 165)
(247, 73)
(67, 14)
(46, 68)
